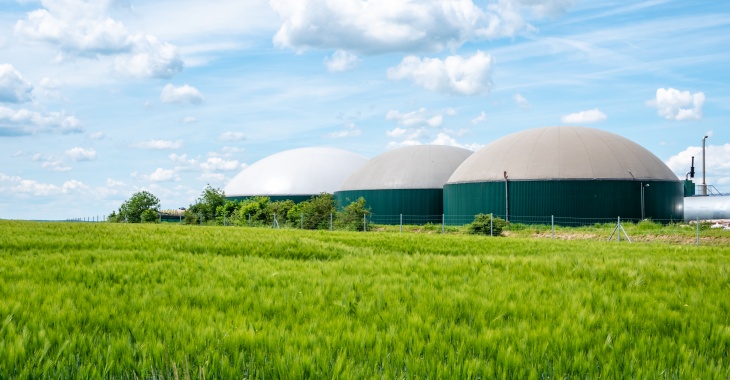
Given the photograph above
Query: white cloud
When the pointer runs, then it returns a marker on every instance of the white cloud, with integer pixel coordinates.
(83, 29)
(396, 133)
(81, 154)
(50, 84)
(13, 88)
(673, 104)
(522, 101)
(181, 95)
(189, 120)
(422, 117)
(341, 61)
(231, 136)
(479, 119)
(445, 139)
(212, 177)
(584, 117)
(717, 164)
(56, 166)
(211, 164)
(158, 144)
(98, 135)
(26, 122)
(454, 75)
(18, 185)
(350, 130)
(161, 175)
(379, 26)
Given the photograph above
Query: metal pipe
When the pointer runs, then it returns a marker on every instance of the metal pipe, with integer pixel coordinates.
(506, 198)
(704, 185)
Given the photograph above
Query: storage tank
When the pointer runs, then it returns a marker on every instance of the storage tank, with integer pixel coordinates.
(707, 208)
(407, 181)
(296, 174)
(578, 175)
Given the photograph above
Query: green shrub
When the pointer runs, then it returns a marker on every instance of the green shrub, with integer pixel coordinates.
(483, 226)
(351, 217)
(150, 216)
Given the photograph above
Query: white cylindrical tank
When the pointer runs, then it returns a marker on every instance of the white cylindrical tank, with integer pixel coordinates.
(707, 208)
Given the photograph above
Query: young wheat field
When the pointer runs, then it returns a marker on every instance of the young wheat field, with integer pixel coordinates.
(85, 300)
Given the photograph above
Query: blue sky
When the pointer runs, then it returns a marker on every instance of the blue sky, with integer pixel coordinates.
(101, 99)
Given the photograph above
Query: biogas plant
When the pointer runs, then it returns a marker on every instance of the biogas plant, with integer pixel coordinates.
(570, 173)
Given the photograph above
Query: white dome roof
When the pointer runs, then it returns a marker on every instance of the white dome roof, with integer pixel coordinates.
(562, 153)
(411, 167)
(303, 171)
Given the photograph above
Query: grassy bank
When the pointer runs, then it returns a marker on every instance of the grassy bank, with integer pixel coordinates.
(116, 300)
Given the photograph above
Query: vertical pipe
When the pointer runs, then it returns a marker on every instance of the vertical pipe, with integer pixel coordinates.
(506, 198)
(704, 185)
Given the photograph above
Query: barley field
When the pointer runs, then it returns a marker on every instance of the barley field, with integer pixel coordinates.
(98, 300)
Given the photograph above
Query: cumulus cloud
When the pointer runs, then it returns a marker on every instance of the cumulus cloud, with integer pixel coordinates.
(522, 101)
(717, 164)
(158, 144)
(189, 120)
(161, 175)
(673, 104)
(341, 61)
(18, 185)
(379, 26)
(479, 119)
(231, 136)
(350, 130)
(81, 154)
(584, 117)
(13, 88)
(446, 139)
(455, 75)
(184, 94)
(81, 28)
(421, 117)
(211, 164)
(26, 122)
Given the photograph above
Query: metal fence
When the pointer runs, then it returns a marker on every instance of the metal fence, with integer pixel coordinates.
(445, 224)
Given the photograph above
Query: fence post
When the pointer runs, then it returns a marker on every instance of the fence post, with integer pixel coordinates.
(443, 219)
(249, 220)
(619, 229)
(552, 223)
(224, 220)
(401, 223)
(301, 221)
(364, 222)
(697, 226)
(330, 221)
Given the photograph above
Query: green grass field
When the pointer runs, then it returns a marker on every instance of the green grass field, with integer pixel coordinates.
(168, 301)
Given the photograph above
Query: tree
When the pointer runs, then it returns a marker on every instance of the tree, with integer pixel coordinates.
(313, 214)
(150, 216)
(205, 206)
(132, 209)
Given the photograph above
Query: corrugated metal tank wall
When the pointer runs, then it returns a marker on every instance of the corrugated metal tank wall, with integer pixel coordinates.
(590, 200)
(418, 206)
(707, 208)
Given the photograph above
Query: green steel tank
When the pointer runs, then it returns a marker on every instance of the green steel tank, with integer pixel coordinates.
(575, 175)
(406, 181)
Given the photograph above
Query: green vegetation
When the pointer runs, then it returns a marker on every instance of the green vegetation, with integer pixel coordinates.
(484, 224)
(96, 300)
(132, 210)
